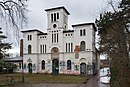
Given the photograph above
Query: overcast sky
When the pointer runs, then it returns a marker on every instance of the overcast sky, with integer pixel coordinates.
(81, 11)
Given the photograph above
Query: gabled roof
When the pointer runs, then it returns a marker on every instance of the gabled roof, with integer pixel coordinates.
(62, 7)
(31, 30)
(86, 24)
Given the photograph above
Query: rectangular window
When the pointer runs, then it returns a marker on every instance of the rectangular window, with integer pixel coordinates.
(43, 48)
(66, 47)
(40, 48)
(30, 37)
(57, 15)
(54, 16)
(71, 47)
(51, 17)
(57, 37)
(52, 38)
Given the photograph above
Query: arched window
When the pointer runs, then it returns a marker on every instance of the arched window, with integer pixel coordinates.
(80, 32)
(84, 32)
(82, 46)
(29, 49)
(69, 65)
(43, 64)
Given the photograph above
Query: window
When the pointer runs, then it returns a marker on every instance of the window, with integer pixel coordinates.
(45, 48)
(66, 47)
(40, 48)
(29, 49)
(82, 46)
(54, 16)
(57, 15)
(51, 17)
(69, 65)
(71, 47)
(29, 37)
(80, 32)
(52, 38)
(84, 32)
(43, 64)
(57, 37)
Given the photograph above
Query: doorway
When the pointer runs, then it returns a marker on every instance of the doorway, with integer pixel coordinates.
(83, 68)
(30, 67)
(55, 66)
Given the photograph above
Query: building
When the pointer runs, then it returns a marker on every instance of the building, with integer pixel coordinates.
(60, 50)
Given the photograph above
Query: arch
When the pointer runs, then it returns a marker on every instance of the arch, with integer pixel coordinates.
(81, 32)
(83, 60)
(68, 64)
(55, 53)
(30, 67)
(29, 49)
(83, 68)
(82, 46)
(43, 65)
(84, 32)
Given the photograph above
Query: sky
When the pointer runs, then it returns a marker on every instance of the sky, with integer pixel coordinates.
(81, 11)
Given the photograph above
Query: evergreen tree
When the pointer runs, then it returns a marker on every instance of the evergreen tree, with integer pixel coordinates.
(114, 32)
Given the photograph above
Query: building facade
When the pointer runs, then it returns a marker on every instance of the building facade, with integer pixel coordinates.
(60, 50)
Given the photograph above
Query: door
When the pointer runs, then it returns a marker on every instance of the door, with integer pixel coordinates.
(83, 68)
(30, 67)
(55, 66)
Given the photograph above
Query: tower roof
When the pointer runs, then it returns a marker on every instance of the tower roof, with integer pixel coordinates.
(86, 24)
(62, 7)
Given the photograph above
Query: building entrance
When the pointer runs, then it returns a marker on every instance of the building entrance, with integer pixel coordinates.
(55, 66)
(55, 60)
(30, 67)
(83, 68)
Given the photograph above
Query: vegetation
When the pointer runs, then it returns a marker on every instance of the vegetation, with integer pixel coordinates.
(114, 32)
(5, 67)
(13, 16)
(40, 78)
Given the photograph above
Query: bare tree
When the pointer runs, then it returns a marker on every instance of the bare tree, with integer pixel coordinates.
(13, 14)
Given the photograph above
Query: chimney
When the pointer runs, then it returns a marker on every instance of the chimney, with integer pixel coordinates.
(21, 48)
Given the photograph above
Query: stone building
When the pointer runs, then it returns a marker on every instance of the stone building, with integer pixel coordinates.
(60, 50)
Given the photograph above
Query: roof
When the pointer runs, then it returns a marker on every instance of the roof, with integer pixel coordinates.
(31, 30)
(86, 24)
(68, 31)
(42, 34)
(62, 7)
(14, 59)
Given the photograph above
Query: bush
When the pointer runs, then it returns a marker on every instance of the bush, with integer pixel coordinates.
(7, 67)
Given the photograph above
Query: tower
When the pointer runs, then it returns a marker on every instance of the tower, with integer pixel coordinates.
(57, 18)
(57, 22)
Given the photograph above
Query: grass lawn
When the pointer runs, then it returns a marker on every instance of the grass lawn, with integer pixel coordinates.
(40, 78)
